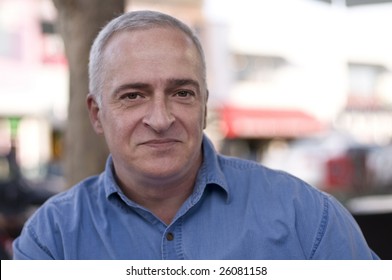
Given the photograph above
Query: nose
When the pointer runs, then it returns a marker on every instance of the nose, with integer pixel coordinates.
(159, 116)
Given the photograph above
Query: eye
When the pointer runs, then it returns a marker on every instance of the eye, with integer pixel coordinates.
(131, 95)
(184, 93)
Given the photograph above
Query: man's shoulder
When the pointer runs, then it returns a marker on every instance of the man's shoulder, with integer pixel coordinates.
(264, 180)
(250, 168)
(84, 189)
(69, 201)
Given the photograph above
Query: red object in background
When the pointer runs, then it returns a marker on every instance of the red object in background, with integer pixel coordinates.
(267, 123)
(339, 173)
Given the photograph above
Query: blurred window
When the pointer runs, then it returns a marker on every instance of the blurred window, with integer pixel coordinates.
(363, 78)
(52, 44)
(47, 27)
(254, 67)
(364, 81)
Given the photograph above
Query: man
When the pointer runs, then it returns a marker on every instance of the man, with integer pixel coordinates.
(165, 193)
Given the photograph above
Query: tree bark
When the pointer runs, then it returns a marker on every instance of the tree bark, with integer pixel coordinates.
(79, 21)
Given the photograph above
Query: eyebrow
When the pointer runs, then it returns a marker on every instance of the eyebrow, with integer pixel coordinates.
(171, 83)
(131, 86)
(183, 82)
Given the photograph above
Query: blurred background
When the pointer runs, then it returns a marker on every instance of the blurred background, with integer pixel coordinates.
(303, 86)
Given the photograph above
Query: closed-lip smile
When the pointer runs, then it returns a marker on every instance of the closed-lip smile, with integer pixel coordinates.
(160, 142)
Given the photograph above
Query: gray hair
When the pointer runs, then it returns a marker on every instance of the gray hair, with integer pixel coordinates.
(127, 22)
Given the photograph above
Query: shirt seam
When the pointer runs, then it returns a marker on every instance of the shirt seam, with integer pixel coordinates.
(322, 227)
(36, 239)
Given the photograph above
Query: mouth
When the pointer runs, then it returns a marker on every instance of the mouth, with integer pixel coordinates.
(160, 143)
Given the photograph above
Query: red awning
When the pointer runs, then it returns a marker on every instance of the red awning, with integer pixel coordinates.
(266, 123)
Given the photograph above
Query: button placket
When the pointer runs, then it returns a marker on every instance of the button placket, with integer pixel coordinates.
(172, 242)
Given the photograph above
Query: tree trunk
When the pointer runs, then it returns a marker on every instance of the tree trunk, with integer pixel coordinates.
(79, 21)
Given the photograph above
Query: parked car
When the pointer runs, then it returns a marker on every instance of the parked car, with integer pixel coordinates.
(334, 162)
(307, 157)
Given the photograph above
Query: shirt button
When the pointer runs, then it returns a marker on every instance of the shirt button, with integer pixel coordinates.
(169, 236)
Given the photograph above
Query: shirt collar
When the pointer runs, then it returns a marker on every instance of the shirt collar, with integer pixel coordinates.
(210, 174)
(110, 184)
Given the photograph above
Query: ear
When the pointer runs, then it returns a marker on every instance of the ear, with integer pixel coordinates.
(94, 112)
(205, 110)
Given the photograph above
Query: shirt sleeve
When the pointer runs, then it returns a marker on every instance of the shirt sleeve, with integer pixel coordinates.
(339, 236)
(27, 247)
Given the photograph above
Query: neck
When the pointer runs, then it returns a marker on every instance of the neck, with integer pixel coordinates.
(162, 196)
(163, 202)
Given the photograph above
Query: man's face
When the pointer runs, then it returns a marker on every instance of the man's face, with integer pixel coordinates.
(153, 103)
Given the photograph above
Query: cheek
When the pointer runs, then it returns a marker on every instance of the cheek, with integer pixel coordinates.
(116, 128)
(192, 117)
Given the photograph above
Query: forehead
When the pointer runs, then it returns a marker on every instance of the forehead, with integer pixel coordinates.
(142, 40)
(154, 51)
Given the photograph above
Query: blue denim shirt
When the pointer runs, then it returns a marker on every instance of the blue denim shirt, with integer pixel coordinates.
(238, 210)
